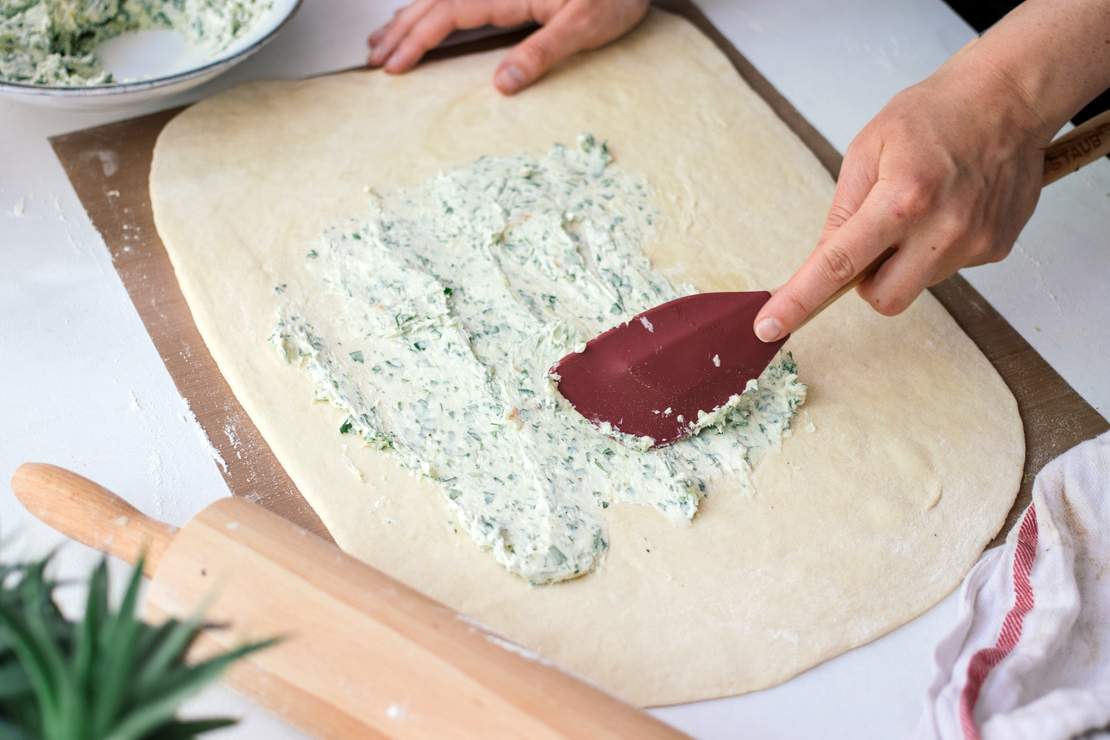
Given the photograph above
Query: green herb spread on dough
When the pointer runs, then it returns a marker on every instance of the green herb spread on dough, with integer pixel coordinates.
(432, 324)
(53, 42)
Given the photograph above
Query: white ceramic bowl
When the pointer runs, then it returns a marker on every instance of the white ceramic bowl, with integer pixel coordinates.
(157, 63)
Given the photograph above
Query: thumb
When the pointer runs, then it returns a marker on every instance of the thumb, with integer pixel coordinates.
(532, 58)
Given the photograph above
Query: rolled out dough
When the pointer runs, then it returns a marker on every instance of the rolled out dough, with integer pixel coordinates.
(870, 514)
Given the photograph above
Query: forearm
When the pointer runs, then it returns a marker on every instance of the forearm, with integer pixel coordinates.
(1053, 56)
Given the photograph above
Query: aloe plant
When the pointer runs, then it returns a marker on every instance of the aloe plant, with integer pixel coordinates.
(107, 676)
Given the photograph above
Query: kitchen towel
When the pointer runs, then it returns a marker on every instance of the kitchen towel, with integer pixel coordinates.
(1029, 656)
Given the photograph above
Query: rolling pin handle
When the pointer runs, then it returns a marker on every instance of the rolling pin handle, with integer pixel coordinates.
(91, 514)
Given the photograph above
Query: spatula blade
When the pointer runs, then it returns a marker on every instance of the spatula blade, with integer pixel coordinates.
(651, 376)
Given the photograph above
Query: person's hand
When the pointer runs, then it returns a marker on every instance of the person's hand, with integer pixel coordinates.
(947, 174)
(568, 26)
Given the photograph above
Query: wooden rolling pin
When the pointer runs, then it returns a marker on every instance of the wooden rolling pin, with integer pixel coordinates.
(364, 655)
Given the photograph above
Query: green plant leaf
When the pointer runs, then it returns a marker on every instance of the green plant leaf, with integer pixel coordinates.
(13, 681)
(183, 729)
(42, 663)
(88, 643)
(108, 675)
(119, 647)
(169, 650)
(12, 731)
(176, 688)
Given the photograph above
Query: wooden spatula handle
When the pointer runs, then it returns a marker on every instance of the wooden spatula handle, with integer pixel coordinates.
(91, 514)
(1077, 148)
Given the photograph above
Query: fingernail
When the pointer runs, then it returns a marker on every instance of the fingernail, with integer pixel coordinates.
(768, 330)
(395, 62)
(509, 79)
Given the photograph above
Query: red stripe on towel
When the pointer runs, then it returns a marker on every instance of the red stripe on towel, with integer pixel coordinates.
(980, 665)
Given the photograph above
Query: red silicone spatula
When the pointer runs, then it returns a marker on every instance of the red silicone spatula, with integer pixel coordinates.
(652, 375)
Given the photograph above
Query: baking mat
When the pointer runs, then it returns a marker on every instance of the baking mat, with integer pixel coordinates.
(118, 203)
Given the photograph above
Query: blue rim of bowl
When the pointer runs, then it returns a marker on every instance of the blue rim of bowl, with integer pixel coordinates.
(123, 88)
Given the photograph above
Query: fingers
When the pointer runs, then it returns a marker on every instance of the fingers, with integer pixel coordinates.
(532, 58)
(385, 40)
(935, 249)
(410, 36)
(577, 25)
(900, 279)
(568, 27)
(432, 28)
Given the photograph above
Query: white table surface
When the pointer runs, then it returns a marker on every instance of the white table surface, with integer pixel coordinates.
(83, 386)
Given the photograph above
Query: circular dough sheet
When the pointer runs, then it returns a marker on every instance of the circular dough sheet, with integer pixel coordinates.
(900, 470)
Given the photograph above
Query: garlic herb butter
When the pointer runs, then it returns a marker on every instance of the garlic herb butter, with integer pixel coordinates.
(53, 42)
(432, 324)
